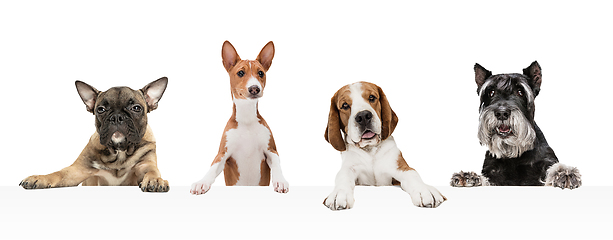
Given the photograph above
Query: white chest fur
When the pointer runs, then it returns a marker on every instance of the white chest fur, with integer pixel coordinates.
(374, 167)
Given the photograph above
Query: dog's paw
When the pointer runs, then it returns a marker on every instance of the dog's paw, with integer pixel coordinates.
(468, 179)
(426, 196)
(200, 187)
(340, 199)
(562, 176)
(154, 185)
(37, 182)
(280, 186)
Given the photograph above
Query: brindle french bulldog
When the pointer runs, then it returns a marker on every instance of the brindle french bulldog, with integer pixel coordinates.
(122, 150)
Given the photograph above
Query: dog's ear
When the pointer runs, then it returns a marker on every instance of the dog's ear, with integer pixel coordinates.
(88, 94)
(333, 130)
(229, 55)
(534, 74)
(266, 55)
(481, 74)
(389, 120)
(153, 92)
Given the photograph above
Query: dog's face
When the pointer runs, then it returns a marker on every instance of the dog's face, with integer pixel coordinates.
(506, 120)
(247, 77)
(121, 113)
(362, 113)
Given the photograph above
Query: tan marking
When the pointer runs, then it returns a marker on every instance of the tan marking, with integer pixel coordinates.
(388, 117)
(264, 173)
(230, 172)
(338, 118)
(402, 164)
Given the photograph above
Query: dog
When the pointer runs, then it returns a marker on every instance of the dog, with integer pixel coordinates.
(122, 150)
(360, 126)
(247, 153)
(518, 154)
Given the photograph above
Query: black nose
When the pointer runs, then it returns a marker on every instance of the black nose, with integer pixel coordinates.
(117, 118)
(254, 90)
(502, 113)
(363, 117)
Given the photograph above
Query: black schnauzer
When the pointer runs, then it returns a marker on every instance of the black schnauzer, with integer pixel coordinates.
(518, 153)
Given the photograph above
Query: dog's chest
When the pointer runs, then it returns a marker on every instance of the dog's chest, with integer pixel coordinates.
(374, 167)
(115, 169)
(247, 143)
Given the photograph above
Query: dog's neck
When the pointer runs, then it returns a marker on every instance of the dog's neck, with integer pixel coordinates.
(245, 111)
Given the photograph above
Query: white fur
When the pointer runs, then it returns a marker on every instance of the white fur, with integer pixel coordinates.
(360, 104)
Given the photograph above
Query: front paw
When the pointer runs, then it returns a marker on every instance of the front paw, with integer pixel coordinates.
(468, 179)
(340, 199)
(562, 176)
(200, 187)
(37, 182)
(154, 185)
(281, 186)
(426, 196)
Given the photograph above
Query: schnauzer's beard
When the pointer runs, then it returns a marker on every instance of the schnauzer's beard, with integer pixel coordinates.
(520, 140)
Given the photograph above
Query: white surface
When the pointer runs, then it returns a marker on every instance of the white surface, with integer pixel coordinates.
(260, 213)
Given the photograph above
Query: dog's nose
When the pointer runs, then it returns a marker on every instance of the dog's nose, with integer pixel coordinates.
(363, 117)
(117, 118)
(254, 90)
(502, 113)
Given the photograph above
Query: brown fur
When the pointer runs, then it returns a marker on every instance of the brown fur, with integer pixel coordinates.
(402, 164)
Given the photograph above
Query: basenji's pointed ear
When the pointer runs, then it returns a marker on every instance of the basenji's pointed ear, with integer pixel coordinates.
(266, 55)
(88, 94)
(481, 74)
(333, 129)
(229, 55)
(153, 92)
(534, 74)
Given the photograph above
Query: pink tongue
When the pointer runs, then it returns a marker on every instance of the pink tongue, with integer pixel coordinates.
(368, 134)
(504, 128)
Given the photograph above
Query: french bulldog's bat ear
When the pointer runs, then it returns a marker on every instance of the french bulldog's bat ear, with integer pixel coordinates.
(153, 92)
(88, 94)
(229, 55)
(481, 74)
(534, 74)
(266, 55)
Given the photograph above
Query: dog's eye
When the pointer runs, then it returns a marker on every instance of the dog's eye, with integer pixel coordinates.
(372, 98)
(492, 93)
(100, 110)
(137, 108)
(240, 73)
(345, 106)
(520, 93)
(261, 74)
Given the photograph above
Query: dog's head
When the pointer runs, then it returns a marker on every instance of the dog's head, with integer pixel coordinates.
(121, 113)
(506, 121)
(247, 77)
(362, 113)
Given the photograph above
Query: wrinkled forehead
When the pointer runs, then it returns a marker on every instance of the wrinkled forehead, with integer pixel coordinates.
(120, 96)
(505, 83)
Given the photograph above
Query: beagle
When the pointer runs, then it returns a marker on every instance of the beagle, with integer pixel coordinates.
(247, 153)
(361, 112)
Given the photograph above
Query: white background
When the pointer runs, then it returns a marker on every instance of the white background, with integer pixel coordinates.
(421, 53)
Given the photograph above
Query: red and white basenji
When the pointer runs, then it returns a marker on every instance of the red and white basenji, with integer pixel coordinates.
(247, 153)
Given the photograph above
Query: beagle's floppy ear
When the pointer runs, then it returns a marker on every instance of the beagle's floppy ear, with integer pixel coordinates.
(333, 130)
(389, 120)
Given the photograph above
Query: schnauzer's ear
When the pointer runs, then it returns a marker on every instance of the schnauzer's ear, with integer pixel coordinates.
(229, 55)
(534, 74)
(266, 55)
(481, 74)
(153, 92)
(88, 94)
(389, 120)
(333, 130)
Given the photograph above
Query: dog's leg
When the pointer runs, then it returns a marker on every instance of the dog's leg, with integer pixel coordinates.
(68, 177)
(342, 195)
(422, 195)
(203, 185)
(468, 179)
(148, 171)
(278, 181)
(562, 176)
